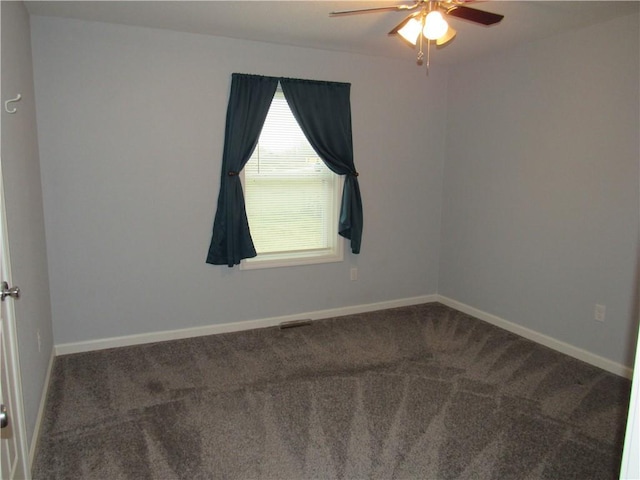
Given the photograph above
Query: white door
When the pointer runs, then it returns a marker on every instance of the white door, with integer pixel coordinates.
(13, 451)
(630, 469)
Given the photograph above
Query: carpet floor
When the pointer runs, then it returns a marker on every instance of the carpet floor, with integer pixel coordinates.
(414, 392)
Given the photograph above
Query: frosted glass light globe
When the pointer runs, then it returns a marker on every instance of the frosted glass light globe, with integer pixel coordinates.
(411, 31)
(435, 26)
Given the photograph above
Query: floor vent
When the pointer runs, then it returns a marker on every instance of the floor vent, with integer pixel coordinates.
(294, 323)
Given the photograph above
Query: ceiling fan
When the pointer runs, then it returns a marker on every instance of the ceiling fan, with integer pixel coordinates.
(427, 21)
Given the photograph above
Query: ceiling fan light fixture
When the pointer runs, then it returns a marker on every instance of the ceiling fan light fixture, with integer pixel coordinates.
(411, 31)
(435, 26)
(447, 37)
(428, 23)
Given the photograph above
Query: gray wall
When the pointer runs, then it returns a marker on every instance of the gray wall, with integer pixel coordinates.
(540, 206)
(131, 126)
(23, 195)
(540, 203)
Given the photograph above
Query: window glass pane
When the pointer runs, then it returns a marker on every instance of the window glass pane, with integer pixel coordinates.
(289, 192)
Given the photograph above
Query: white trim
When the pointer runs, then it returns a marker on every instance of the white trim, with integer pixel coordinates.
(101, 344)
(35, 438)
(333, 254)
(10, 344)
(128, 340)
(540, 338)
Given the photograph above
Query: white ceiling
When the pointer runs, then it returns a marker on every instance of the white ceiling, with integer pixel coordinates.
(307, 23)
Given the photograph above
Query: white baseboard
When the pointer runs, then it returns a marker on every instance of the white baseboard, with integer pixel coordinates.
(128, 340)
(547, 341)
(36, 430)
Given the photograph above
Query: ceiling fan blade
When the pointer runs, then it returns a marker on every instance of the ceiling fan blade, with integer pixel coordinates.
(394, 8)
(447, 37)
(473, 15)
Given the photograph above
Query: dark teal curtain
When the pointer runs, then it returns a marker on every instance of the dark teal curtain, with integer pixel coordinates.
(249, 102)
(323, 110)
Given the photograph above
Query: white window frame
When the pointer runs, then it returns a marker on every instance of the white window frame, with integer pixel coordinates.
(333, 253)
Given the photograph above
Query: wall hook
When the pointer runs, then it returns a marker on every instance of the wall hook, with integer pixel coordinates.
(6, 104)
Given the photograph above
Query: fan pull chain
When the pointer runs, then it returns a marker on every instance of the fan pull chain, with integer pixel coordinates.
(428, 56)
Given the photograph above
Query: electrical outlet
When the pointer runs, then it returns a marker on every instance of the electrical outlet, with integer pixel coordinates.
(354, 274)
(599, 312)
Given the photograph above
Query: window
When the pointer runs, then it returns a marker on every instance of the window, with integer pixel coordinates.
(324, 111)
(292, 198)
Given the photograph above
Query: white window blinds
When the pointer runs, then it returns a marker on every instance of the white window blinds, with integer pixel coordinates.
(291, 196)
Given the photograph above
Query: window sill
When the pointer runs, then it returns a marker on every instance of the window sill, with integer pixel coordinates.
(292, 259)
